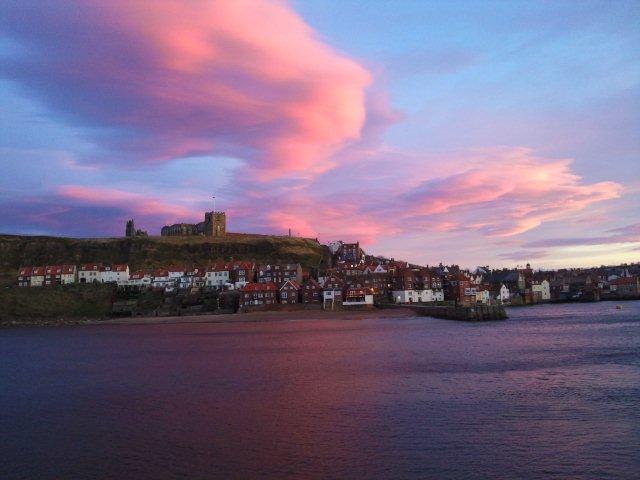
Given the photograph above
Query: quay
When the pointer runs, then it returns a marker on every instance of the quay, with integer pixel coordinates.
(476, 313)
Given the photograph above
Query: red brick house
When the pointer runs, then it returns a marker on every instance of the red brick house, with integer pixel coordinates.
(24, 276)
(311, 291)
(626, 286)
(460, 289)
(280, 273)
(258, 294)
(332, 291)
(241, 273)
(350, 253)
(53, 275)
(289, 292)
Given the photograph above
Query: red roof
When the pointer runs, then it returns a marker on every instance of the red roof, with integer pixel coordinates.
(259, 287)
(68, 269)
(354, 291)
(176, 269)
(240, 265)
(293, 283)
(91, 267)
(119, 268)
(37, 271)
(53, 269)
(137, 275)
(218, 267)
(25, 271)
(312, 282)
(624, 281)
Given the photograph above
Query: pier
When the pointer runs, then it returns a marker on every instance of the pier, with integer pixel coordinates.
(476, 313)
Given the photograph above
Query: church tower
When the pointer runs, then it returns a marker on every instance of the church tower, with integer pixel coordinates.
(215, 224)
(130, 231)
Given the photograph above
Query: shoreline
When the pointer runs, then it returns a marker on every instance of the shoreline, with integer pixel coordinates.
(253, 317)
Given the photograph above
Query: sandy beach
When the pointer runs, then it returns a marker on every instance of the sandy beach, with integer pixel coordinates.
(272, 316)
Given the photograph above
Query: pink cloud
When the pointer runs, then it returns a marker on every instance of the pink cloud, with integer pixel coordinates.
(168, 79)
(494, 192)
(502, 192)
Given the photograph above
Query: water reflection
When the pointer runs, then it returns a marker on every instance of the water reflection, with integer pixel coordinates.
(552, 393)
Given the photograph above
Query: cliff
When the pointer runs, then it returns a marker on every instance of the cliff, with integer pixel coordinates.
(151, 252)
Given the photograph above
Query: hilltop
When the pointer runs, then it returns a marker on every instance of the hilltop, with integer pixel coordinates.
(151, 252)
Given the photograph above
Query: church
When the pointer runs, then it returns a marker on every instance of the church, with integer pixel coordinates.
(214, 225)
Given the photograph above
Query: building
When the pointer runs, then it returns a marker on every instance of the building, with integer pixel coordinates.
(130, 230)
(289, 292)
(334, 246)
(241, 273)
(332, 287)
(214, 225)
(114, 273)
(52, 275)
(138, 279)
(500, 292)
(37, 276)
(541, 290)
(483, 294)
(460, 289)
(58, 275)
(280, 273)
(217, 276)
(253, 294)
(24, 276)
(163, 281)
(193, 278)
(417, 296)
(350, 253)
(90, 273)
(69, 274)
(626, 286)
(357, 296)
(311, 291)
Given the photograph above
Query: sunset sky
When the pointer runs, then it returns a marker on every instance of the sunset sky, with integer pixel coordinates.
(458, 132)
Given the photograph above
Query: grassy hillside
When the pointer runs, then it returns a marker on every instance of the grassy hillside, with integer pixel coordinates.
(150, 252)
(26, 305)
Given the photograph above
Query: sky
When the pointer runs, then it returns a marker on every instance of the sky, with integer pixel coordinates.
(476, 133)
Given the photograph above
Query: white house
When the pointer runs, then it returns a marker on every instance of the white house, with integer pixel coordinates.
(541, 290)
(68, 274)
(175, 272)
(217, 276)
(162, 279)
(357, 296)
(192, 278)
(138, 279)
(334, 246)
(503, 294)
(418, 296)
(90, 273)
(115, 273)
(37, 276)
(365, 300)
(483, 296)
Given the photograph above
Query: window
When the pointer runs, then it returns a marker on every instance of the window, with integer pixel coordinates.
(284, 295)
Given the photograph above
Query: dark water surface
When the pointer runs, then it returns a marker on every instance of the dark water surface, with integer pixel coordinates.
(554, 392)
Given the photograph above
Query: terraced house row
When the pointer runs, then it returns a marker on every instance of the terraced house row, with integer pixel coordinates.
(355, 278)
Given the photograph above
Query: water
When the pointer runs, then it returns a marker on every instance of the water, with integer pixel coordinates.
(552, 393)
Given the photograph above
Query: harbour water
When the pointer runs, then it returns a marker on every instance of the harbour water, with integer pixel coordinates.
(553, 392)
